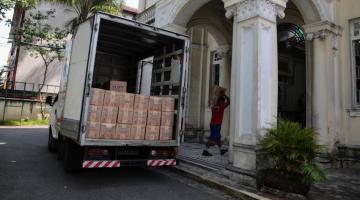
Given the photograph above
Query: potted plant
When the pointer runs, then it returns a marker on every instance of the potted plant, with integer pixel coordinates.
(292, 151)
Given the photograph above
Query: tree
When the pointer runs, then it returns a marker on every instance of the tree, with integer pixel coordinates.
(41, 40)
(6, 5)
(84, 8)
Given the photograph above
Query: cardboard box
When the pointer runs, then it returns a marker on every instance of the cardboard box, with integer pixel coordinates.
(137, 132)
(139, 117)
(111, 98)
(123, 131)
(94, 113)
(126, 100)
(125, 116)
(216, 93)
(152, 133)
(109, 114)
(167, 118)
(141, 102)
(168, 104)
(119, 86)
(93, 131)
(166, 132)
(96, 96)
(155, 103)
(108, 131)
(154, 118)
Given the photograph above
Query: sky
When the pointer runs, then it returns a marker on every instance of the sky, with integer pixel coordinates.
(4, 33)
(132, 3)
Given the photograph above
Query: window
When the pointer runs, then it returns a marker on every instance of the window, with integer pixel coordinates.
(216, 64)
(355, 60)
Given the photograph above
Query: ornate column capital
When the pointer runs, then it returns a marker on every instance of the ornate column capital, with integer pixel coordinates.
(245, 9)
(320, 30)
(224, 50)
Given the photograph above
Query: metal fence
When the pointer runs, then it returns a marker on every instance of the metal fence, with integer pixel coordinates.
(19, 100)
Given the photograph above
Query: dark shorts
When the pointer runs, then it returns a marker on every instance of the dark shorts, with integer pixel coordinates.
(215, 132)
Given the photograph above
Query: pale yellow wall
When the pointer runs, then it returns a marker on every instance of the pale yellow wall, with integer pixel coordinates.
(350, 132)
(31, 69)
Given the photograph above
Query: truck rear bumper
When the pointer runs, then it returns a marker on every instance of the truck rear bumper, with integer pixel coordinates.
(127, 163)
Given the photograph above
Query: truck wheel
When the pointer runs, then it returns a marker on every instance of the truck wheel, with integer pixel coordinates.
(52, 143)
(73, 156)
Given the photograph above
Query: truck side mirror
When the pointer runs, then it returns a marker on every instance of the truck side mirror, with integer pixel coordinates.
(49, 100)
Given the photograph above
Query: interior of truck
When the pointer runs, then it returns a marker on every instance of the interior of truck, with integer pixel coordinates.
(149, 61)
(123, 51)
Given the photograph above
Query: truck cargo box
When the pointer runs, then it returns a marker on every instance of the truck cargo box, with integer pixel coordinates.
(112, 54)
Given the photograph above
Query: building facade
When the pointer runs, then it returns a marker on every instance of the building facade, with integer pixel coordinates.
(292, 59)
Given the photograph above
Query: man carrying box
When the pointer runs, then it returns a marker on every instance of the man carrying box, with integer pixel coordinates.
(215, 124)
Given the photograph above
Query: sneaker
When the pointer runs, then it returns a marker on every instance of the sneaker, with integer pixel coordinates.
(206, 153)
(223, 151)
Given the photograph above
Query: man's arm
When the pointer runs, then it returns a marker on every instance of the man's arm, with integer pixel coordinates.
(227, 100)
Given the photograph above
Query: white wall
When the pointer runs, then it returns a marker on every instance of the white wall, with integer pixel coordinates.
(144, 4)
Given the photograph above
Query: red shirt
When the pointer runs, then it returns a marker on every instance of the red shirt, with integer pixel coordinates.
(218, 112)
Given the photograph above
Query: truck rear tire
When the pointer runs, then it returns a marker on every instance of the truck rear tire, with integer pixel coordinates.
(73, 156)
(52, 143)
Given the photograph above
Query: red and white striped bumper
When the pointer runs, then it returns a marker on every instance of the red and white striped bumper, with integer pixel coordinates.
(116, 163)
(101, 163)
(164, 162)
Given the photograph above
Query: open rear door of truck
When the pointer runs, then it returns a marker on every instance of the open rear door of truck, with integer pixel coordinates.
(83, 47)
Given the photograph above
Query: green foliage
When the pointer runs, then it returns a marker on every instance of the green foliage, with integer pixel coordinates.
(293, 149)
(33, 122)
(6, 5)
(84, 8)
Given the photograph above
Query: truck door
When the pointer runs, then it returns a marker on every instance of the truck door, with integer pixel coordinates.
(170, 79)
(83, 46)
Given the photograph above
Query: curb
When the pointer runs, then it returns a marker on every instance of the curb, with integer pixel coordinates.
(19, 127)
(242, 194)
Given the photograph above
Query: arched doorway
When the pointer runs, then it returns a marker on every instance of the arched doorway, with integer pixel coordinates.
(210, 59)
(292, 67)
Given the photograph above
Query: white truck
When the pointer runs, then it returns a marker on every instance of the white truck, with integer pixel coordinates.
(152, 61)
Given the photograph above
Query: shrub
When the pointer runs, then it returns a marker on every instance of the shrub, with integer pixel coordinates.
(293, 150)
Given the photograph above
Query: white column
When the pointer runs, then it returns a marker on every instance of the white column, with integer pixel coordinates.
(326, 96)
(254, 76)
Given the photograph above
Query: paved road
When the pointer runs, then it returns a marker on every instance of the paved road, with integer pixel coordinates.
(28, 171)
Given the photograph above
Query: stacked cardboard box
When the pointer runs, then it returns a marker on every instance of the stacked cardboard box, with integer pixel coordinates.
(95, 109)
(118, 86)
(167, 118)
(154, 119)
(138, 127)
(109, 114)
(216, 93)
(125, 116)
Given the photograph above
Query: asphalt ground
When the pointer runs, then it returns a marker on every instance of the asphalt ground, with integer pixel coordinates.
(28, 171)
